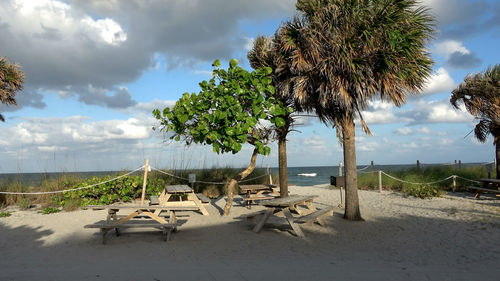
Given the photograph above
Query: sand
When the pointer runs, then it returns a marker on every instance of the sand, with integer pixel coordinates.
(402, 238)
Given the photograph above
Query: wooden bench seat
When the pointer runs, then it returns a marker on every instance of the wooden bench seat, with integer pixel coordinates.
(203, 198)
(106, 226)
(137, 207)
(258, 198)
(252, 215)
(482, 189)
(315, 216)
(153, 200)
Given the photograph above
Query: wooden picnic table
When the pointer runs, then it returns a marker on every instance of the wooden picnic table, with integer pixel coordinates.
(254, 192)
(180, 191)
(488, 185)
(285, 206)
(114, 221)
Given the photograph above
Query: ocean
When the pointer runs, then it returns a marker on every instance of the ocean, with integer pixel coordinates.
(300, 176)
(304, 176)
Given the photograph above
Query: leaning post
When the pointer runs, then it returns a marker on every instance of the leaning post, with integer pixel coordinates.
(269, 174)
(146, 168)
(380, 181)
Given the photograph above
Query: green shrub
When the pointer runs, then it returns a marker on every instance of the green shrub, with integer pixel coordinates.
(50, 210)
(4, 214)
(422, 191)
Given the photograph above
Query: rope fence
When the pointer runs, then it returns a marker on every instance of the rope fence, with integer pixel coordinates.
(72, 189)
(119, 177)
(380, 172)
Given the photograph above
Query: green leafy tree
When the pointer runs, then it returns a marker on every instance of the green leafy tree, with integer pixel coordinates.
(11, 81)
(480, 93)
(228, 112)
(346, 53)
(264, 53)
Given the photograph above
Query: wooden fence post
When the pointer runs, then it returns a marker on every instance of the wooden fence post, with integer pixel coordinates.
(340, 169)
(146, 167)
(454, 183)
(270, 175)
(380, 181)
(371, 169)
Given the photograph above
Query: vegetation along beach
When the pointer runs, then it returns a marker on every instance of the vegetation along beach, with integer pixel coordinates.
(249, 140)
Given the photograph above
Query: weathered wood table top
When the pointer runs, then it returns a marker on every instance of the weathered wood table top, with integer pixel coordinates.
(181, 188)
(176, 190)
(256, 187)
(493, 181)
(287, 201)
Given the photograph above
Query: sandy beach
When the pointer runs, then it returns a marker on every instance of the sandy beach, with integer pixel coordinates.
(454, 237)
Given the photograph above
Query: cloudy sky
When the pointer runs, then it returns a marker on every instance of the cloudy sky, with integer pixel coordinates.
(96, 68)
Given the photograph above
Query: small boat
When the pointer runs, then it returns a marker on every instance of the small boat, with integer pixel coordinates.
(307, 174)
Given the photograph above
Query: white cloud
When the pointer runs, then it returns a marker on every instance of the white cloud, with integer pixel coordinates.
(379, 112)
(49, 19)
(424, 130)
(448, 47)
(439, 82)
(404, 131)
(315, 142)
(426, 112)
(249, 43)
(107, 30)
(456, 54)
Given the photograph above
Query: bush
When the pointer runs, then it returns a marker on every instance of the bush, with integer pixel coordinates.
(422, 191)
(4, 214)
(50, 210)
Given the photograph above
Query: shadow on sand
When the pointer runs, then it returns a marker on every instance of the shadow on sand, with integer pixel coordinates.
(386, 248)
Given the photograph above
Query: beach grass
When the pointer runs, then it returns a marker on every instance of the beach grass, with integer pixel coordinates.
(211, 182)
(408, 179)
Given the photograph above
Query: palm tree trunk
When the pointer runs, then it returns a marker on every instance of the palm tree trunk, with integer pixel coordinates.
(351, 182)
(283, 174)
(232, 183)
(497, 145)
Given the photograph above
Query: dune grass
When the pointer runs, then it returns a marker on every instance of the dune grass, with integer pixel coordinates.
(210, 182)
(424, 176)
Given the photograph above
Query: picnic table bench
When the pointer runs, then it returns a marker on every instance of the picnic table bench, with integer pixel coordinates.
(253, 192)
(116, 222)
(181, 191)
(285, 206)
(488, 185)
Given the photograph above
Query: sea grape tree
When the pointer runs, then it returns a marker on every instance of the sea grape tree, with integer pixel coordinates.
(229, 111)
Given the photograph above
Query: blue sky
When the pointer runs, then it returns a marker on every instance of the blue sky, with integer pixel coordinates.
(96, 69)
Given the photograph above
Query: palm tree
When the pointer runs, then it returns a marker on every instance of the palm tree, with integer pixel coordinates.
(345, 53)
(11, 81)
(264, 54)
(480, 93)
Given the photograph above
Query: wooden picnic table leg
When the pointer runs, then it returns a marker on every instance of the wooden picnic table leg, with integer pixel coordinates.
(192, 197)
(172, 219)
(104, 231)
(162, 199)
(294, 208)
(263, 220)
(112, 216)
(295, 227)
(310, 205)
(155, 217)
(248, 203)
(129, 217)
